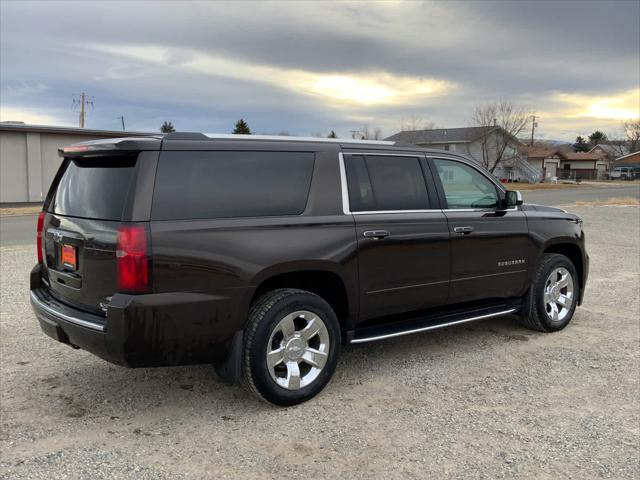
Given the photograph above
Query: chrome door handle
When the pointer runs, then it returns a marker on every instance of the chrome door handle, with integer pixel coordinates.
(375, 234)
(463, 230)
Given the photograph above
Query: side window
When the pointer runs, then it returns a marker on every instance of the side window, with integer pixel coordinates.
(222, 184)
(464, 186)
(380, 183)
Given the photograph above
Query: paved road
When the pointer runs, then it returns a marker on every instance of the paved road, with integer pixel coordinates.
(20, 230)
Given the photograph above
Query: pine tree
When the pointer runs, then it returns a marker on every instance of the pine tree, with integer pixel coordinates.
(241, 127)
(167, 127)
(332, 135)
(580, 145)
(597, 138)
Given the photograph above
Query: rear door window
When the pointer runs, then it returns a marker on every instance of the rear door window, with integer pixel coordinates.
(385, 182)
(191, 185)
(95, 187)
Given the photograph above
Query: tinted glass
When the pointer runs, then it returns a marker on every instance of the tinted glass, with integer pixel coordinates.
(94, 188)
(360, 192)
(397, 183)
(464, 186)
(231, 184)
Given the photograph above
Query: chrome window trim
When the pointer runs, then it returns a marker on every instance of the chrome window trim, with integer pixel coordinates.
(345, 188)
(491, 180)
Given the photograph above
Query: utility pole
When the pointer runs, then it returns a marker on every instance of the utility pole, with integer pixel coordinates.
(533, 127)
(83, 103)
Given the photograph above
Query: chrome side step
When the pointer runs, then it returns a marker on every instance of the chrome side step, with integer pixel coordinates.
(372, 334)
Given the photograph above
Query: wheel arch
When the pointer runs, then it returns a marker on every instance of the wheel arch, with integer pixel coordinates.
(574, 253)
(324, 282)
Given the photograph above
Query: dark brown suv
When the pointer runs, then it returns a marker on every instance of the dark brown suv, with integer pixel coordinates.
(265, 255)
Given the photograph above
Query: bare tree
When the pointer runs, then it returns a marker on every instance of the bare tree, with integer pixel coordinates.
(370, 134)
(415, 122)
(632, 134)
(504, 121)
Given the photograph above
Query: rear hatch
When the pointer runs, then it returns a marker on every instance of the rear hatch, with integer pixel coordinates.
(88, 202)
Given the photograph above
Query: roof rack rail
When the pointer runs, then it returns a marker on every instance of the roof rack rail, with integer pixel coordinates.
(185, 136)
(281, 138)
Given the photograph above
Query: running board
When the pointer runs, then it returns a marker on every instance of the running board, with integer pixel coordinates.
(407, 327)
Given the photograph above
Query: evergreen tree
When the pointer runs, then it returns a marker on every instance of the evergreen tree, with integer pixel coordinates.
(597, 138)
(167, 127)
(580, 145)
(332, 135)
(241, 127)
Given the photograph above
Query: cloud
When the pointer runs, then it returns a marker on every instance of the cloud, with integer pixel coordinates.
(28, 115)
(310, 66)
(351, 88)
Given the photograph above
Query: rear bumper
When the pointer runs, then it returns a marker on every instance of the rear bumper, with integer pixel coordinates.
(143, 330)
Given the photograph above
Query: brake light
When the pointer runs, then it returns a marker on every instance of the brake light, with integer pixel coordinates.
(133, 259)
(39, 228)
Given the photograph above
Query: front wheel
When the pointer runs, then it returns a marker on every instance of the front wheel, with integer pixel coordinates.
(553, 296)
(291, 346)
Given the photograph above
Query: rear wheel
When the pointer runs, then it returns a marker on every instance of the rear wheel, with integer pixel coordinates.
(553, 296)
(291, 346)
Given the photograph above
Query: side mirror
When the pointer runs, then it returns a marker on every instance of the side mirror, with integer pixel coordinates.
(512, 198)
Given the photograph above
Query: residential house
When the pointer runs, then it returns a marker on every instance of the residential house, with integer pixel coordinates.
(545, 160)
(628, 160)
(481, 144)
(551, 162)
(584, 165)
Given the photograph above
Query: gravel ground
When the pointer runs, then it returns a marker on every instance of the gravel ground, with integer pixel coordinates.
(491, 400)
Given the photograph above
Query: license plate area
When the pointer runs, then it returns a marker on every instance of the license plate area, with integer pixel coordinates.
(68, 257)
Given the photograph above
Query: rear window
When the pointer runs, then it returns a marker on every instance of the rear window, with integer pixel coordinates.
(94, 188)
(193, 185)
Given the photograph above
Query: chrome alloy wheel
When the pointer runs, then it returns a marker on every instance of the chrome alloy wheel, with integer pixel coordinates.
(298, 350)
(558, 294)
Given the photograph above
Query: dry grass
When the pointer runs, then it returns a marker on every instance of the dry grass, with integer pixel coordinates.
(620, 201)
(538, 186)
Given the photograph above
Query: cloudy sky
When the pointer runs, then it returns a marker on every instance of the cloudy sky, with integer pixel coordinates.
(307, 68)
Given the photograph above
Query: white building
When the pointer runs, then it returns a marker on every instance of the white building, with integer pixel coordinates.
(29, 157)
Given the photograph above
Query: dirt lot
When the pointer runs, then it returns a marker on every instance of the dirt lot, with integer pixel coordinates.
(491, 400)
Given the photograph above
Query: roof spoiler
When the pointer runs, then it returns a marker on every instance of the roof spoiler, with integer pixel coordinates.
(110, 147)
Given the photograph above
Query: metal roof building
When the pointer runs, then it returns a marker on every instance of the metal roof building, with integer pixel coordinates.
(29, 157)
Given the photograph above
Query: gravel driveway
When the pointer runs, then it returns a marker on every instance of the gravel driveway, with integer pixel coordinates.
(490, 400)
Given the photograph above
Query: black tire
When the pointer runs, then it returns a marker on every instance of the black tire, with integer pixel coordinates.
(264, 316)
(534, 315)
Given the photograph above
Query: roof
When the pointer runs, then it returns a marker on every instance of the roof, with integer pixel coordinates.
(441, 135)
(608, 149)
(629, 157)
(537, 152)
(23, 127)
(582, 156)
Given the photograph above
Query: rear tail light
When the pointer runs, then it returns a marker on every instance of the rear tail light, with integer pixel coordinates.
(133, 259)
(39, 235)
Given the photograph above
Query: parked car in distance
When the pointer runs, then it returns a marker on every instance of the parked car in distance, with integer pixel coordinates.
(623, 173)
(266, 255)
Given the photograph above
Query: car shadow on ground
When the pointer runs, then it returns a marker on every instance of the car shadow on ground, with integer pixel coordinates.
(84, 385)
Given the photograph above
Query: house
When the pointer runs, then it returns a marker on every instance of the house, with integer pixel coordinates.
(629, 160)
(482, 144)
(610, 150)
(583, 165)
(545, 160)
(552, 162)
